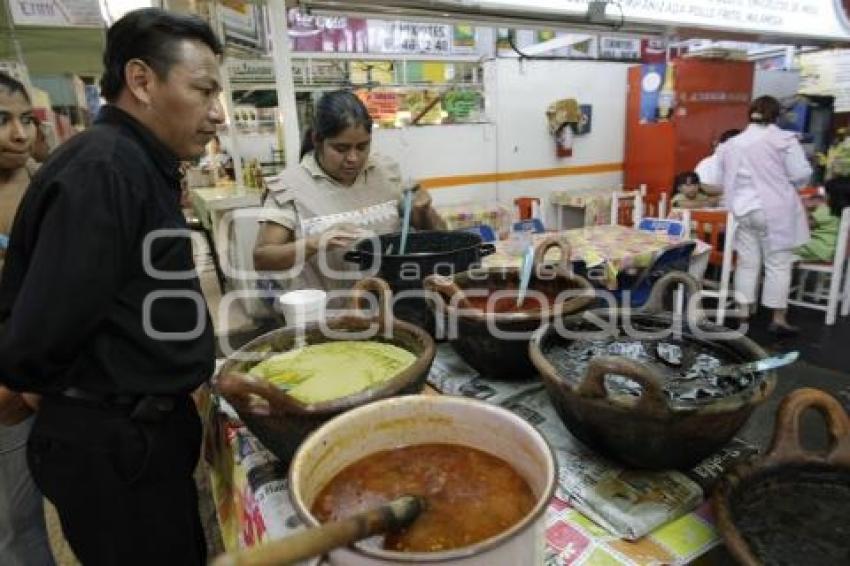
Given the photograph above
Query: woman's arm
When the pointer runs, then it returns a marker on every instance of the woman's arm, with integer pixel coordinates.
(276, 248)
(797, 166)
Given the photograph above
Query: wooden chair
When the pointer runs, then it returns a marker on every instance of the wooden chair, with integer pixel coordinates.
(627, 208)
(834, 272)
(527, 208)
(716, 227)
(655, 205)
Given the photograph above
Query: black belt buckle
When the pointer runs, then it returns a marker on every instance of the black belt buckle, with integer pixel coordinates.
(152, 408)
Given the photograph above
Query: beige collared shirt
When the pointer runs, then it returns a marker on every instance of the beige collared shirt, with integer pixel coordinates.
(308, 201)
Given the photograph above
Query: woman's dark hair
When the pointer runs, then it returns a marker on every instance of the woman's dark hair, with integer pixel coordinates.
(838, 194)
(151, 35)
(335, 112)
(727, 135)
(685, 178)
(14, 86)
(765, 110)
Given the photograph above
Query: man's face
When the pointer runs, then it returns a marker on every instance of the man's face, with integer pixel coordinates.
(344, 156)
(17, 130)
(184, 106)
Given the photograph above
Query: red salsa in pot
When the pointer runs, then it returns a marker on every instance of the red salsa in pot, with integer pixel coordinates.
(470, 495)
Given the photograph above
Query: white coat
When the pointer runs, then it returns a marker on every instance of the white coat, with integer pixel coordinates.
(761, 168)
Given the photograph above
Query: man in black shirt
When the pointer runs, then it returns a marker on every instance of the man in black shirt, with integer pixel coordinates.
(102, 310)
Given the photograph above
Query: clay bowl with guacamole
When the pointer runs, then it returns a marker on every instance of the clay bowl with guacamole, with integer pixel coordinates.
(287, 382)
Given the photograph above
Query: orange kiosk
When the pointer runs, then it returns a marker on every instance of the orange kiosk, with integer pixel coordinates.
(711, 96)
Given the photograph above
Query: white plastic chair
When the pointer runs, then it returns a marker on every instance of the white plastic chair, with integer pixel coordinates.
(834, 272)
(636, 198)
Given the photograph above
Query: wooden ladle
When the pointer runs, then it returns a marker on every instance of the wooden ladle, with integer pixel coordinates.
(395, 515)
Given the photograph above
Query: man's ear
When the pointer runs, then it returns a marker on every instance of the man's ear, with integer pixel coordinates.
(140, 79)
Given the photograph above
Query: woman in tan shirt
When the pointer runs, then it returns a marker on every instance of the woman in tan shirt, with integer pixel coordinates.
(317, 209)
(23, 536)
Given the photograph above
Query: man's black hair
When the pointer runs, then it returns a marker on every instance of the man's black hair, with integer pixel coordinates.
(13, 86)
(151, 35)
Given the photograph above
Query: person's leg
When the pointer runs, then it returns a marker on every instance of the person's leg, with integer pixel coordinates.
(23, 533)
(748, 246)
(123, 490)
(778, 265)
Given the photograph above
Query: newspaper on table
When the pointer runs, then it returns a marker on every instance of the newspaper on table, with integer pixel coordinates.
(628, 503)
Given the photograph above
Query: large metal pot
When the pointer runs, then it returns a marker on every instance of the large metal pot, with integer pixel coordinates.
(429, 252)
(648, 431)
(496, 343)
(288, 420)
(429, 419)
(791, 507)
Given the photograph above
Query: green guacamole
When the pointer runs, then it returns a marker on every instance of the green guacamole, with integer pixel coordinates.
(324, 372)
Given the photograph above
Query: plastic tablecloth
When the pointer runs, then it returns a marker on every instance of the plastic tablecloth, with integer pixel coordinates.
(497, 215)
(612, 246)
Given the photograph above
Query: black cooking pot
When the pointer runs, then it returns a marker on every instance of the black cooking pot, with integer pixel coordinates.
(428, 252)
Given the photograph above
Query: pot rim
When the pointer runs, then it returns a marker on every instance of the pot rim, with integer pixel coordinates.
(566, 308)
(400, 381)
(526, 522)
(751, 396)
(419, 255)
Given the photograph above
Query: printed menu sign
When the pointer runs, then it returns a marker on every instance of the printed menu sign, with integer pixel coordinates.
(60, 13)
(827, 73)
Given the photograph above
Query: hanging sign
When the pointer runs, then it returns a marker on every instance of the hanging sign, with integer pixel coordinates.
(326, 34)
(822, 19)
(827, 73)
(409, 38)
(59, 13)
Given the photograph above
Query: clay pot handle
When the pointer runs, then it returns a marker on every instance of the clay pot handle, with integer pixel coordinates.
(652, 399)
(655, 302)
(446, 289)
(565, 265)
(238, 389)
(380, 287)
(786, 438)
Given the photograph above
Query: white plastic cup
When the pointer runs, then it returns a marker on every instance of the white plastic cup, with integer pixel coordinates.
(302, 306)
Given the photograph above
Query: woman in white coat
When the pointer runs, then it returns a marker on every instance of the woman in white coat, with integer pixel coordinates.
(761, 168)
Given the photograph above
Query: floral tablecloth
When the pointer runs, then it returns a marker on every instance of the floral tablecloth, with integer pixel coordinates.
(497, 215)
(613, 247)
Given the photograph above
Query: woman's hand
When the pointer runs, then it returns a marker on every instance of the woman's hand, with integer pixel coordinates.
(334, 239)
(13, 408)
(424, 216)
(421, 199)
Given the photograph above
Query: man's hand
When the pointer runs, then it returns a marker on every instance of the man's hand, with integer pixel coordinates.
(13, 407)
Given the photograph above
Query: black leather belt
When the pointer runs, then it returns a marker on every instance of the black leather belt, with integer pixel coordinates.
(141, 407)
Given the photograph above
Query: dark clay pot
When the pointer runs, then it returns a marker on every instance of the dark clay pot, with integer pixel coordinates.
(791, 507)
(289, 421)
(648, 431)
(474, 340)
(428, 252)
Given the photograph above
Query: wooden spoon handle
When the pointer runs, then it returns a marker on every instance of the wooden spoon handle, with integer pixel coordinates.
(313, 542)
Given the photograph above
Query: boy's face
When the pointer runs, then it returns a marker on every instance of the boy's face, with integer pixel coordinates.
(690, 190)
